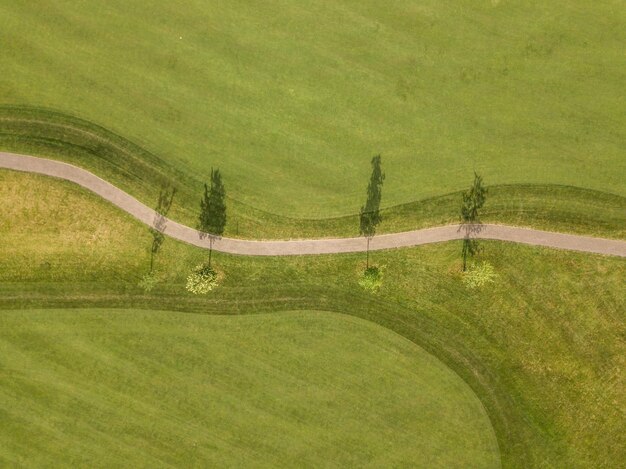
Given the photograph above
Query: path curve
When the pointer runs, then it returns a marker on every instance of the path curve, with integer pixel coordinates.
(189, 235)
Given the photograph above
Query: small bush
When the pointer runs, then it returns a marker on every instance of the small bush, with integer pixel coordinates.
(148, 282)
(479, 275)
(202, 280)
(371, 279)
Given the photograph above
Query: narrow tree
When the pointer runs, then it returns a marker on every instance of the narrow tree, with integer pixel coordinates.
(370, 215)
(473, 201)
(166, 197)
(213, 210)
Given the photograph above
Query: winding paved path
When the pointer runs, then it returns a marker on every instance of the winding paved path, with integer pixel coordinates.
(300, 247)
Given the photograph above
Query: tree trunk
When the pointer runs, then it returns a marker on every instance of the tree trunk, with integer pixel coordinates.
(465, 240)
(210, 249)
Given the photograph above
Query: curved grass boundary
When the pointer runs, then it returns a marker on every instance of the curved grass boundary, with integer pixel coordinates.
(137, 387)
(306, 246)
(50, 134)
(541, 347)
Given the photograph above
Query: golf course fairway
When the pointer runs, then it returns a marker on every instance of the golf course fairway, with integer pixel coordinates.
(137, 388)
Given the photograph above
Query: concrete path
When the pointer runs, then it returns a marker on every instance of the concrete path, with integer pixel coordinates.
(309, 246)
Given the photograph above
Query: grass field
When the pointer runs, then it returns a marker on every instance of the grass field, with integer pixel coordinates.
(289, 361)
(291, 100)
(113, 388)
(542, 348)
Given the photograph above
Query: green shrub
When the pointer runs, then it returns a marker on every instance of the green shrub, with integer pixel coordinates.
(202, 280)
(478, 275)
(372, 278)
(148, 282)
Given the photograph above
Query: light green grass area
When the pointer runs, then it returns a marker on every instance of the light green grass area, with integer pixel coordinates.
(291, 100)
(113, 388)
(542, 347)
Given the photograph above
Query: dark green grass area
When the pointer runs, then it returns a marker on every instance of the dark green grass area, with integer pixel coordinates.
(142, 174)
(292, 99)
(113, 388)
(542, 347)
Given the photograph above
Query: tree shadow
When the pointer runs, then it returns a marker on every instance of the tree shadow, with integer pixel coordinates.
(157, 230)
(471, 230)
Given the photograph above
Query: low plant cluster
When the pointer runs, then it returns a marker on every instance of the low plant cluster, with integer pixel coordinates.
(372, 278)
(148, 282)
(203, 279)
(479, 274)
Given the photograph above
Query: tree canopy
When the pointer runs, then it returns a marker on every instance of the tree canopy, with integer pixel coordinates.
(370, 215)
(213, 206)
(473, 201)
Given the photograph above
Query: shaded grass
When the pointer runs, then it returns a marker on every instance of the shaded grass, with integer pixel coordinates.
(104, 388)
(292, 109)
(142, 174)
(542, 348)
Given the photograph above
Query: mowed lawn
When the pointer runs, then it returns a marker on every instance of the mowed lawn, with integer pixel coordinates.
(113, 388)
(542, 347)
(292, 99)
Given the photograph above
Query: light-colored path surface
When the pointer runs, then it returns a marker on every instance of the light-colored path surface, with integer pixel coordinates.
(301, 247)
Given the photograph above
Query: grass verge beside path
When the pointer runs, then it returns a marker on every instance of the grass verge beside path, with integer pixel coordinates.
(542, 347)
(138, 388)
(142, 174)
